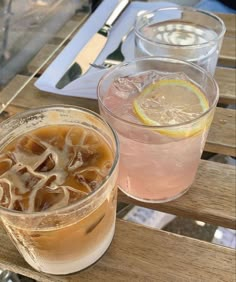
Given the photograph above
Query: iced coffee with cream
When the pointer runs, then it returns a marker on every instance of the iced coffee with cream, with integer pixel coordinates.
(58, 172)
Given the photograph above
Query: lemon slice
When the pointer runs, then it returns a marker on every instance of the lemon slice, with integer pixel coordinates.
(172, 102)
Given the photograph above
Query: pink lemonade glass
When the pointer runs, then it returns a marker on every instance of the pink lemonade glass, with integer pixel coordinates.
(158, 163)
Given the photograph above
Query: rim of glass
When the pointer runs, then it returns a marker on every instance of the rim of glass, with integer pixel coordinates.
(182, 8)
(95, 191)
(162, 59)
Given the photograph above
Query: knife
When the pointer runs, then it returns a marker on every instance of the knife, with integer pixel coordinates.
(92, 48)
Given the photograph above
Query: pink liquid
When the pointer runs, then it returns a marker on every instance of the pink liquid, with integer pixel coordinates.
(153, 167)
(158, 172)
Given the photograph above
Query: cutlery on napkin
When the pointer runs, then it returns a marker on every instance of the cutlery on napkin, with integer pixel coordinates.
(92, 48)
(86, 85)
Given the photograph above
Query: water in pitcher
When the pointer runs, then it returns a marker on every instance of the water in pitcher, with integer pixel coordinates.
(48, 169)
(160, 149)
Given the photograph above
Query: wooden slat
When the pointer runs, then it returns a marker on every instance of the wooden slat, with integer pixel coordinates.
(230, 23)
(227, 56)
(11, 110)
(222, 135)
(226, 79)
(42, 56)
(197, 203)
(141, 254)
(221, 138)
(30, 96)
(210, 199)
(70, 27)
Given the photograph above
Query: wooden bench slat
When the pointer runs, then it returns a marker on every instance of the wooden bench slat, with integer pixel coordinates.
(146, 254)
(210, 199)
(230, 23)
(226, 79)
(138, 253)
(41, 58)
(224, 76)
(71, 26)
(227, 56)
(221, 137)
(214, 181)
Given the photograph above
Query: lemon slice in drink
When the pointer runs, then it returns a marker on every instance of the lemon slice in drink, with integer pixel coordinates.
(172, 102)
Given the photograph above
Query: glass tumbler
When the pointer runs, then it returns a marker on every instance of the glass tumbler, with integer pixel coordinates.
(180, 32)
(157, 163)
(73, 237)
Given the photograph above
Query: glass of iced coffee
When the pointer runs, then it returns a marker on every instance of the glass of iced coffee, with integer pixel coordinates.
(58, 173)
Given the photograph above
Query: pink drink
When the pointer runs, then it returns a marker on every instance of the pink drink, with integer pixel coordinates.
(154, 166)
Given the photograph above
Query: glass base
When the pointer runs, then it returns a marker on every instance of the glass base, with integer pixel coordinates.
(65, 268)
(156, 201)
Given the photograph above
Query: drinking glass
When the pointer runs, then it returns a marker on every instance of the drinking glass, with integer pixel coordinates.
(70, 238)
(157, 163)
(180, 32)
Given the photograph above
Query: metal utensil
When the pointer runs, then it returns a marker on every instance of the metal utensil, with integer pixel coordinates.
(116, 56)
(92, 49)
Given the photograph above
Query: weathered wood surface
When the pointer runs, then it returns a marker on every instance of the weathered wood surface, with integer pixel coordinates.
(230, 23)
(222, 134)
(221, 138)
(146, 254)
(227, 56)
(213, 205)
(138, 253)
(226, 79)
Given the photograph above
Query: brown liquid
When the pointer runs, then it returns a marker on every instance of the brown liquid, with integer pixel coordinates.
(50, 168)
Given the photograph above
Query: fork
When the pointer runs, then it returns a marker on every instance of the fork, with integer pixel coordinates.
(115, 57)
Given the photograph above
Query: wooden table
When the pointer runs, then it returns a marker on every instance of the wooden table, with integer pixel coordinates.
(139, 253)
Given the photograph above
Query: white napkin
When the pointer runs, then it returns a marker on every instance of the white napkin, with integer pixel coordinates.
(86, 85)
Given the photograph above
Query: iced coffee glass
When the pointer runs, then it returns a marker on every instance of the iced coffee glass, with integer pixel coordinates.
(58, 172)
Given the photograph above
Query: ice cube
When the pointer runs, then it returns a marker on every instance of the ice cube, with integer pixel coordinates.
(106, 167)
(88, 153)
(5, 195)
(47, 199)
(50, 199)
(28, 178)
(175, 75)
(76, 161)
(90, 177)
(5, 163)
(75, 194)
(91, 138)
(46, 165)
(133, 84)
(123, 87)
(81, 179)
(75, 136)
(50, 181)
(31, 144)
